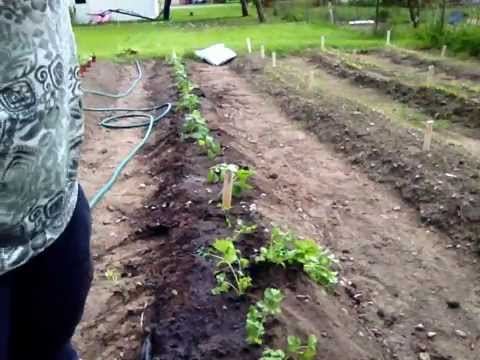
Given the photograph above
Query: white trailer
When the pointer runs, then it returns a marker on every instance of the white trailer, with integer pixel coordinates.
(85, 9)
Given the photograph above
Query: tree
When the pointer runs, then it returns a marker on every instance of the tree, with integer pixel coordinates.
(244, 7)
(377, 15)
(261, 14)
(442, 16)
(414, 8)
(166, 10)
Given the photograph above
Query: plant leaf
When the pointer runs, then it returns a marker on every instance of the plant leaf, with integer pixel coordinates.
(226, 249)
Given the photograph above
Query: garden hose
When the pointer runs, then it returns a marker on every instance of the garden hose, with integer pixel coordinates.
(110, 122)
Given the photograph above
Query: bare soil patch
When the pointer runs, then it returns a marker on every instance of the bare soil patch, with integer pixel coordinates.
(111, 326)
(397, 273)
(435, 102)
(324, 171)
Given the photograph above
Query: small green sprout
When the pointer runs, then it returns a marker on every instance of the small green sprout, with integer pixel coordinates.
(287, 249)
(241, 177)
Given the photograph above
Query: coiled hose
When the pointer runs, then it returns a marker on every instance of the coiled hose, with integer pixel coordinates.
(110, 122)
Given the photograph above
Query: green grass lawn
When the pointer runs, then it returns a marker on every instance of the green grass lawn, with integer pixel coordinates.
(155, 40)
(211, 24)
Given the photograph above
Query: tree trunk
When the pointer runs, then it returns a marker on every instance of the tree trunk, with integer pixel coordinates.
(414, 8)
(244, 7)
(261, 14)
(377, 15)
(166, 10)
(442, 16)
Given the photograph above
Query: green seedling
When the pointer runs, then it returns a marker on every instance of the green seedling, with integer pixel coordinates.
(295, 350)
(113, 275)
(231, 268)
(259, 313)
(287, 249)
(241, 177)
(209, 145)
(243, 229)
(194, 125)
(255, 326)
(298, 351)
(188, 102)
(269, 354)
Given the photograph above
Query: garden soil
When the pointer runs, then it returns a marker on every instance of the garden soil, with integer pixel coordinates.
(400, 279)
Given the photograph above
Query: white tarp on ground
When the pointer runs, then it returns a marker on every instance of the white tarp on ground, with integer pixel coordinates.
(362, 22)
(216, 55)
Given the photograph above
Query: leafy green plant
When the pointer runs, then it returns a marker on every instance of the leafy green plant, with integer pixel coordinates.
(194, 124)
(269, 354)
(241, 177)
(209, 145)
(259, 313)
(298, 351)
(295, 350)
(113, 275)
(188, 102)
(287, 249)
(255, 326)
(231, 268)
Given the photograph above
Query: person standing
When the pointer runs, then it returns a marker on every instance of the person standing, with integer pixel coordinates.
(45, 227)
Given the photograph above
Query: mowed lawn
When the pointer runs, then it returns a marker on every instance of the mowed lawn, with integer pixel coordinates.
(155, 40)
(195, 27)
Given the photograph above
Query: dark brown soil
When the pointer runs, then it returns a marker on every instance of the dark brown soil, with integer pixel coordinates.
(443, 184)
(186, 321)
(395, 273)
(415, 61)
(434, 102)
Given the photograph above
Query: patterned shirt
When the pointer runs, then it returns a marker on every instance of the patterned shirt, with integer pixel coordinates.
(41, 127)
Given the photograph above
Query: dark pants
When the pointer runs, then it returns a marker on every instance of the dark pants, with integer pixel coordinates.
(42, 302)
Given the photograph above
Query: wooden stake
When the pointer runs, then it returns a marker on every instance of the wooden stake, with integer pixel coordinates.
(274, 59)
(322, 43)
(427, 141)
(444, 51)
(330, 11)
(227, 190)
(430, 74)
(249, 45)
(389, 37)
(262, 51)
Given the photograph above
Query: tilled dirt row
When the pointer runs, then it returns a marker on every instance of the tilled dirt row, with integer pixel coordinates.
(446, 65)
(185, 320)
(443, 184)
(433, 101)
(407, 291)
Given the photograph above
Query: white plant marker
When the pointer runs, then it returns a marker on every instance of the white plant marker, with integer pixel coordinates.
(227, 190)
(430, 74)
(427, 141)
(262, 51)
(174, 55)
(249, 45)
(330, 11)
(444, 51)
(389, 37)
(274, 59)
(322, 43)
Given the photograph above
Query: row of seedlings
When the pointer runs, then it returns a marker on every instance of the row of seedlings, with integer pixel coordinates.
(284, 249)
